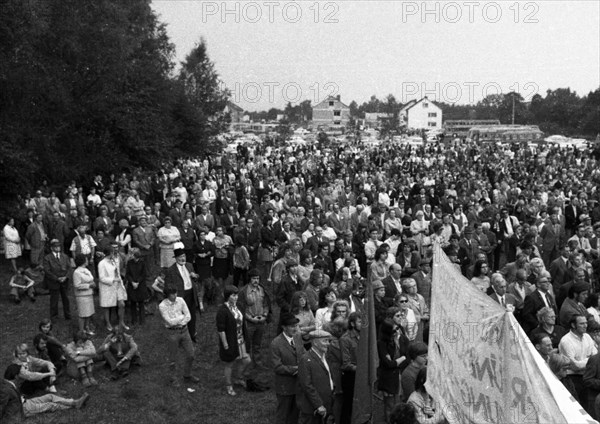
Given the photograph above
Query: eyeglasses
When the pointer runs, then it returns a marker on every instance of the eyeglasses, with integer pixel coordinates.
(403, 301)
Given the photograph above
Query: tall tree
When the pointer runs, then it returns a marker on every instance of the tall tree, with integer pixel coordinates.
(203, 87)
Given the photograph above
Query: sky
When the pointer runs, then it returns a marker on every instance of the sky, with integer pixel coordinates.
(269, 53)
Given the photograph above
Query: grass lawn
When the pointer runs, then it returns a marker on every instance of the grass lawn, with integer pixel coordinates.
(146, 395)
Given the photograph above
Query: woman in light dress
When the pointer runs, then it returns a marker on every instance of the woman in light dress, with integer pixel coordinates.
(112, 289)
(167, 236)
(420, 232)
(12, 243)
(83, 284)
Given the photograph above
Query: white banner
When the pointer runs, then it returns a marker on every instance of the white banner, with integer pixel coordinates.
(482, 367)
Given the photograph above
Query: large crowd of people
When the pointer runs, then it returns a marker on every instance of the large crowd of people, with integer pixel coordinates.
(288, 238)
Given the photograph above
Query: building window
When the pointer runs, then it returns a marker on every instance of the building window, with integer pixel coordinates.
(432, 124)
(425, 104)
(337, 113)
(432, 114)
(337, 122)
(331, 103)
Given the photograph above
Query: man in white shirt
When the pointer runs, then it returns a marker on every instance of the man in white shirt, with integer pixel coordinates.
(176, 316)
(181, 275)
(580, 238)
(578, 346)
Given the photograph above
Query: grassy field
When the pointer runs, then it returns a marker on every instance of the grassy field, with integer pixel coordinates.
(146, 395)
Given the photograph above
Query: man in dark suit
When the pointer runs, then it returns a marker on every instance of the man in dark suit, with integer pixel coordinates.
(315, 399)
(181, 275)
(286, 350)
(13, 408)
(559, 269)
(423, 279)
(177, 214)
(537, 300)
(392, 283)
(313, 242)
(552, 236)
(56, 268)
(572, 212)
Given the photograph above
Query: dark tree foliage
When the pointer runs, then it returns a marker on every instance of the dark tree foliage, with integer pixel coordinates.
(87, 86)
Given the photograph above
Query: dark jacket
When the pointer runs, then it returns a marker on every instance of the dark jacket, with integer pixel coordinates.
(226, 323)
(55, 269)
(315, 389)
(285, 359)
(388, 373)
(533, 303)
(10, 402)
(173, 278)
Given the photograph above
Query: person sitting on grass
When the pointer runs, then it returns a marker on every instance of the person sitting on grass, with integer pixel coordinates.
(120, 352)
(20, 284)
(14, 407)
(40, 344)
(81, 352)
(35, 374)
(56, 349)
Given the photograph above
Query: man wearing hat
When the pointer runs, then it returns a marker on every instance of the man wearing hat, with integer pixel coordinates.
(56, 268)
(423, 279)
(181, 276)
(315, 399)
(286, 351)
(380, 303)
(289, 285)
(255, 304)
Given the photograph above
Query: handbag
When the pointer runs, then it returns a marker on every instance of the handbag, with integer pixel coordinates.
(265, 254)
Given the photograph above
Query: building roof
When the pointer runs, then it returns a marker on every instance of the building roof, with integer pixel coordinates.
(233, 107)
(327, 100)
(413, 103)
